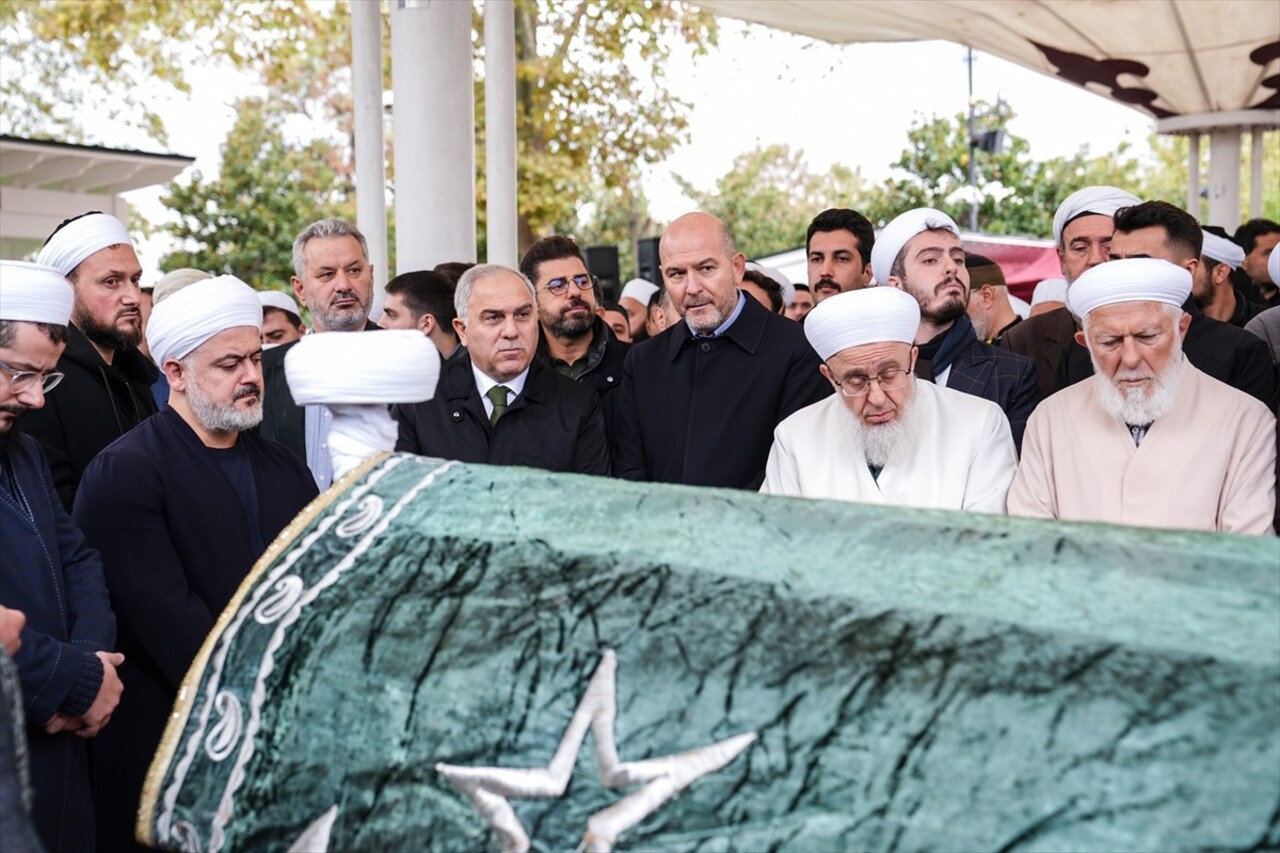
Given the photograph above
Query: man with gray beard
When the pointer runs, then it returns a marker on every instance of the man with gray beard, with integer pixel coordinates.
(887, 437)
(1148, 439)
(180, 508)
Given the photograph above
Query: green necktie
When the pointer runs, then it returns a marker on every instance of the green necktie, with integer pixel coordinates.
(498, 396)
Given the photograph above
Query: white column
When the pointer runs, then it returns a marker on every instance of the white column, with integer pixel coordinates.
(1224, 177)
(500, 131)
(1193, 174)
(1255, 176)
(434, 125)
(371, 169)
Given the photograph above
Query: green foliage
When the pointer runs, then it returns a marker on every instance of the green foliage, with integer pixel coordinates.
(268, 189)
(592, 102)
(769, 197)
(618, 217)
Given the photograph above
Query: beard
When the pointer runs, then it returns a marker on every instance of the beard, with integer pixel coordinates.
(1134, 406)
(9, 439)
(109, 335)
(882, 443)
(217, 417)
(979, 326)
(332, 319)
(571, 328)
(940, 314)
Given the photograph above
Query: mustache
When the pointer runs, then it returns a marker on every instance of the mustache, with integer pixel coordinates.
(575, 302)
(826, 281)
(340, 295)
(15, 409)
(251, 390)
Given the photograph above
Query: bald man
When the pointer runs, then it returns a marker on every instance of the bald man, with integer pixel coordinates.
(699, 402)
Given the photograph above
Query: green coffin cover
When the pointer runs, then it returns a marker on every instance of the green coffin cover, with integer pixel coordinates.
(740, 673)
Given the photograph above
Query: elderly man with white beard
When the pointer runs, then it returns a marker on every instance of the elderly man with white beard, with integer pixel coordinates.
(1148, 440)
(180, 508)
(888, 437)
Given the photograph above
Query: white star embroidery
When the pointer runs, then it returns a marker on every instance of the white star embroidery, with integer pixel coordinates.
(489, 787)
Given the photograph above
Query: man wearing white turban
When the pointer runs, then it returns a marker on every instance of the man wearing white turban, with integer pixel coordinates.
(1212, 288)
(107, 389)
(887, 437)
(180, 508)
(66, 664)
(1082, 229)
(1148, 439)
(920, 252)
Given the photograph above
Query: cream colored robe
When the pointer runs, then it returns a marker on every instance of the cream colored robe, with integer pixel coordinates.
(965, 458)
(1207, 465)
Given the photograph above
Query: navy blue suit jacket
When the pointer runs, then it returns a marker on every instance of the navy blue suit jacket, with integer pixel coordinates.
(1005, 378)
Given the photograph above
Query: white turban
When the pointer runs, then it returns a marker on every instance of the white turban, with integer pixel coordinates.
(356, 375)
(898, 233)
(279, 299)
(639, 290)
(1049, 290)
(1273, 265)
(873, 315)
(1221, 249)
(788, 289)
(34, 293)
(1129, 280)
(1101, 200)
(199, 311)
(79, 239)
(392, 366)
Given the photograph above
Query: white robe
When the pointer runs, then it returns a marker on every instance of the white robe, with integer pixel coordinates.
(964, 458)
(1209, 464)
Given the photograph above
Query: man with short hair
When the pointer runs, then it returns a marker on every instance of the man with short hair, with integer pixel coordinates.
(1082, 229)
(66, 666)
(422, 300)
(657, 321)
(1148, 439)
(885, 436)
(989, 308)
(205, 496)
(1157, 229)
(334, 280)
(281, 319)
(1258, 237)
(107, 389)
(920, 252)
(838, 245)
(700, 401)
(1213, 291)
(801, 305)
(763, 289)
(496, 403)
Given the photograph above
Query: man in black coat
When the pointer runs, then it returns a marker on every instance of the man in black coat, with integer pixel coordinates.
(205, 497)
(700, 401)
(66, 664)
(107, 389)
(575, 340)
(334, 279)
(920, 252)
(496, 403)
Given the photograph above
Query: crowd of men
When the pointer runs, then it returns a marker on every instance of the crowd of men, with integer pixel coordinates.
(154, 441)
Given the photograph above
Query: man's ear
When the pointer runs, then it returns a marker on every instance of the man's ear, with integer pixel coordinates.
(175, 373)
(461, 328)
(1080, 338)
(427, 324)
(296, 284)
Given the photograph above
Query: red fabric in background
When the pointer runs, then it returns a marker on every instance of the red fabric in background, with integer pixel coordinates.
(1023, 266)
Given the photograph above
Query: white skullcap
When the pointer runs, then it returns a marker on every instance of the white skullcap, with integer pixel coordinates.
(788, 289)
(639, 290)
(1129, 280)
(872, 315)
(1102, 200)
(1273, 265)
(174, 280)
(1221, 249)
(1049, 290)
(79, 239)
(193, 315)
(34, 293)
(896, 234)
(392, 366)
(279, 299)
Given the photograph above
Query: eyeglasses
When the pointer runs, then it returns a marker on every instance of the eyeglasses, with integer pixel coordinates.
(21, 380)
(560, 285)
(889, 379)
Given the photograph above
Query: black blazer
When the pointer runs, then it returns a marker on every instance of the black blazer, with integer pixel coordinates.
(702, 412)
(1004, 378)
(555, 423)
